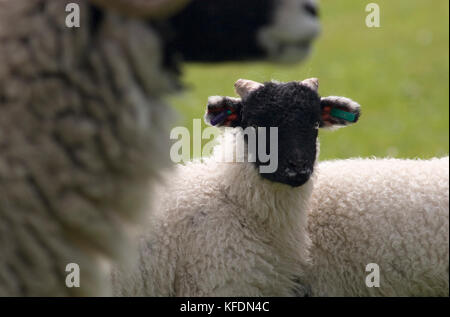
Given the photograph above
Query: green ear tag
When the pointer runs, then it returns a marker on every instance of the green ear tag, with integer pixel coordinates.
(343, 114)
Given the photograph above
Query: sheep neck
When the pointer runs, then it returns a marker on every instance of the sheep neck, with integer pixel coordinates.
(277, 209)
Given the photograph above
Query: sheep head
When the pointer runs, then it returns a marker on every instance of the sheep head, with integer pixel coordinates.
(279, 30)
(223, 30)
(296, 109)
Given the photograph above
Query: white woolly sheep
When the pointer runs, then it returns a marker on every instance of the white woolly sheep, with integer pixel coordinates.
(390, 212)
(226, 229)
(83, 127)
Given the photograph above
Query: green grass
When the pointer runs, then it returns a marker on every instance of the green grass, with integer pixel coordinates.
(399, 73)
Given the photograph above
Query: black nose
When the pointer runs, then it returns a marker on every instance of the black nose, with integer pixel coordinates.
(311, 9)
(295, 173)
(299, 168)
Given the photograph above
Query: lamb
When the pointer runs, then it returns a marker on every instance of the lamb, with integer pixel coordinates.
(228, 229)
(83, 126)
(390, 212)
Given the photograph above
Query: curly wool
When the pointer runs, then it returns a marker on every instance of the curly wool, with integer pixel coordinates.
(80, 120)
(386, 211)
(220, 229)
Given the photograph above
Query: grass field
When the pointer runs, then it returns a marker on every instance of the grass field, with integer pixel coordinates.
(399, 73)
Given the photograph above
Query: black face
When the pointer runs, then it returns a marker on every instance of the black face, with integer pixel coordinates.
(221, 29)
(295, 110)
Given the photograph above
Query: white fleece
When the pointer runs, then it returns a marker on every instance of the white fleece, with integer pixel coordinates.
(82, 134)
(386, 211)
(220, 229)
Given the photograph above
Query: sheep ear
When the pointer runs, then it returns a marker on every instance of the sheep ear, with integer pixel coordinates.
(312, 83)
(338, 112)
(245, 87)
(223, 111)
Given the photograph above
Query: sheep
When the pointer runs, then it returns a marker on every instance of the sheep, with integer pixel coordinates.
(83, 126)
(390, 212)
(280, 30)
(230, 229)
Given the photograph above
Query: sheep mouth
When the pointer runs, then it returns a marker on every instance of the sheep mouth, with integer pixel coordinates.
(291, 52)
(290, 177)
(300, 45)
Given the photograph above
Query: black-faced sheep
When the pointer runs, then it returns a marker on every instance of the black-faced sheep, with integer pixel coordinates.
(227, 228)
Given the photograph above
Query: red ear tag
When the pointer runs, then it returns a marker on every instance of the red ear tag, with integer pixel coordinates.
(232, 117)
(326, 113)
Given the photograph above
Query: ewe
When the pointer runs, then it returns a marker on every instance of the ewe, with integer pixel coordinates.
(226, 229)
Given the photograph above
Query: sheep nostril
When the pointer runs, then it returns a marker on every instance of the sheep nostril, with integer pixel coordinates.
(311, 9)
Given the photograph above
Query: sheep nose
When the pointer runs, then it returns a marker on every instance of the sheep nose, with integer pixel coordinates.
(311, 8)
(296, 169)
(297, 174)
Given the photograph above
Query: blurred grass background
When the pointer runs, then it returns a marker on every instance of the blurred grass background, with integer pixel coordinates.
(399, 73)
